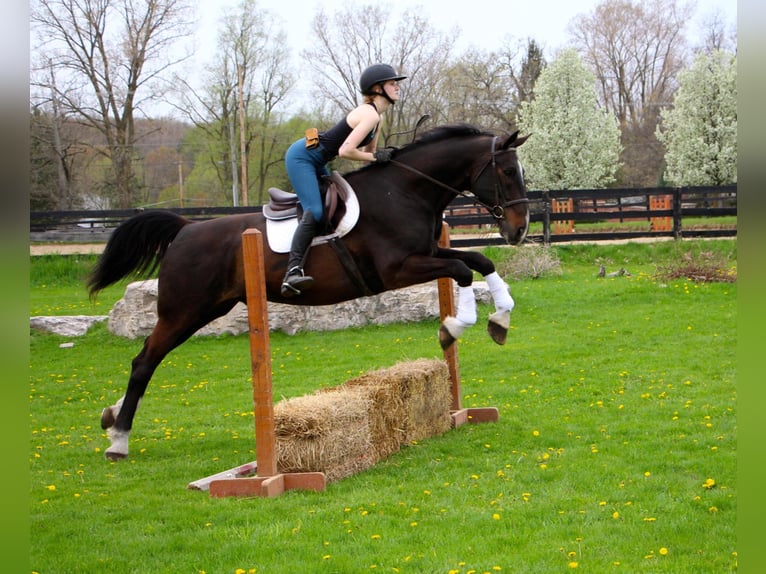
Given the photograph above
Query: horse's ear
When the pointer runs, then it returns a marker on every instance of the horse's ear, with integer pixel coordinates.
(514, 140)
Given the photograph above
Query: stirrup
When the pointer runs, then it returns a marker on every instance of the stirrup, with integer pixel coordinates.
(294, 281)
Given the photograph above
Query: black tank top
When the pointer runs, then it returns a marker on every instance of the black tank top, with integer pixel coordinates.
(333, 138)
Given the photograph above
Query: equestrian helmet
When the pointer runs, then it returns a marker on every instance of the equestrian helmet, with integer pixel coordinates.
(377, 74)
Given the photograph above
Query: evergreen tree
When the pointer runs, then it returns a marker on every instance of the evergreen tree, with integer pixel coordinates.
(574, 143)
(700, 130)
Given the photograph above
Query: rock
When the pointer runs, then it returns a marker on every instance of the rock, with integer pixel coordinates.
(69, 325)
(136, 313)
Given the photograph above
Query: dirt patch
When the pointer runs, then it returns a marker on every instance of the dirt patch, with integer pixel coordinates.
(66, 248)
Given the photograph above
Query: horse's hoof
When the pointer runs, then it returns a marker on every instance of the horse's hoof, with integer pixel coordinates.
(445, 338)
(107, 418)
(498, 333)
(115, 456)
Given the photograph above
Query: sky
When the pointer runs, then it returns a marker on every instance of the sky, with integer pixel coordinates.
(544, 20)
(483, 24)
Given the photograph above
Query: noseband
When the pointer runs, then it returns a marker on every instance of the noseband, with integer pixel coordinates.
(495, 210)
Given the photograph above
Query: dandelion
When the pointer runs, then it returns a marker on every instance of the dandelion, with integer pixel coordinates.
(615, 515)
(495, 516)
(535, 433)
(51, 487)
(708, 484)
(375, 536)
(574, 564)
(663, 551)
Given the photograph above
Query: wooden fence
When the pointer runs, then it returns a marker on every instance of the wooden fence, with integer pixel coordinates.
(555, 216)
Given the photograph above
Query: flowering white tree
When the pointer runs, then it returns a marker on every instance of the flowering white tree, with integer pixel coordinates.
(575, 144)
(700, 130)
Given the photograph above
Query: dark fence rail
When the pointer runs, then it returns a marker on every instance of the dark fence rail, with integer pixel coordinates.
(661, 210)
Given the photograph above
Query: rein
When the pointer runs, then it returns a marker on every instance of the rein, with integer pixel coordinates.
(495, 210)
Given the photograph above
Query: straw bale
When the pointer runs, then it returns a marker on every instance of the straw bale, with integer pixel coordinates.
(324, 432)
(345, 429)
(412, 398)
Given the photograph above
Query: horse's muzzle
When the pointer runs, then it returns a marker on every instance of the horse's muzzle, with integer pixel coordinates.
(514, 227)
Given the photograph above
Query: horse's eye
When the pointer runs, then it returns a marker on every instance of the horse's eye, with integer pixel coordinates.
(510, 171)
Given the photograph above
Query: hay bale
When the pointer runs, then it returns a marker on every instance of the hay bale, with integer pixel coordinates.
(324, 432)
(345, 429)
(413, 398)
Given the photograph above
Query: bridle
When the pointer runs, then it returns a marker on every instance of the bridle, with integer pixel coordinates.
(500, 204)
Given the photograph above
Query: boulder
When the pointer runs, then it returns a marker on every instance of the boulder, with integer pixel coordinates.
(69, 325)
(136, 313)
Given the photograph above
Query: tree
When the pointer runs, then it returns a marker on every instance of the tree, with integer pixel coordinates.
(574, 143)
(341, 52)
(99, 59)
(700, 131)
(247, 83)
(487, 88)
(636, 50)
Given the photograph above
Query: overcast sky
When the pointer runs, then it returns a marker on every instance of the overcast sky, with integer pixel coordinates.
(483, 23)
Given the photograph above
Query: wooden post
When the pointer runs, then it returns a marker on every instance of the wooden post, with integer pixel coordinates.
(460, 416)
(268, 482)
(447, 308)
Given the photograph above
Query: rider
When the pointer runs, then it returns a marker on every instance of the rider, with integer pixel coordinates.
(354, 137)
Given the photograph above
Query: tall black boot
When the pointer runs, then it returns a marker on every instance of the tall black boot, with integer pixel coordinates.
(295, 281)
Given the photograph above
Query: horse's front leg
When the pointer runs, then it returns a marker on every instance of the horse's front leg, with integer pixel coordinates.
(421, 269)
(500, 320)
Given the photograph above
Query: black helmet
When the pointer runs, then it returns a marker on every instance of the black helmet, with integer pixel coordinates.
(377, 74)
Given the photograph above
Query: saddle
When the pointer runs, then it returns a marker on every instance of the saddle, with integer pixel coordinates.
(282, 205)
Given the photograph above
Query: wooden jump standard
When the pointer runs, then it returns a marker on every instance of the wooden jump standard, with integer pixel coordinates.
(239, 481)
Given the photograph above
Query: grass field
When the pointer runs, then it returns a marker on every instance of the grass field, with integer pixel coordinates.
(615, 450)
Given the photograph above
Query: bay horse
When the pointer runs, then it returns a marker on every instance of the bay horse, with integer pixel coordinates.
(393, 245)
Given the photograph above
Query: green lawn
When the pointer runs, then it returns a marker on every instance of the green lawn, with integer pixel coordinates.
(615, 450)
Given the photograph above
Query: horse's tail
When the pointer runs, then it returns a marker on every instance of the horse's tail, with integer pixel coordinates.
(135, 247)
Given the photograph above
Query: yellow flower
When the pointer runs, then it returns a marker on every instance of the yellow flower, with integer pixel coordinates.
(574, 564)
(496, 516)
(663, 551)
(708, 484)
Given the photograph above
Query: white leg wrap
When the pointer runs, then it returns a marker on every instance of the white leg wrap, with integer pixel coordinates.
(466, 306)
(454, 326)
(501, 293)
(119, 441)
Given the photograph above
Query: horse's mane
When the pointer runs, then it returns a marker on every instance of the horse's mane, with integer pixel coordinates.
(440, 133)
(437, 134)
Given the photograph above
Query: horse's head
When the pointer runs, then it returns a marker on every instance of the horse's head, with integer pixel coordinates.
(498, 184)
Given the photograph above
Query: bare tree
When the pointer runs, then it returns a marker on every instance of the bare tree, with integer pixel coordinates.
(247, 83)
(487, 88)
(716, 35)
(341, 52)
(108, 52)
(636, 51)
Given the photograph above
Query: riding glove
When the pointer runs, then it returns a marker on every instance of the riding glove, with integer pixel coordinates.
(383, 155)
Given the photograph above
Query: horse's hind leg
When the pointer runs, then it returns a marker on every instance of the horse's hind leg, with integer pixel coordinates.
(118, 418)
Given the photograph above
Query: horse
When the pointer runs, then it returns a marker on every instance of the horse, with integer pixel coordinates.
(393, 244)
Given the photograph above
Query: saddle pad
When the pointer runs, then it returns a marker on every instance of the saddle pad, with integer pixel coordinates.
(280, 233)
